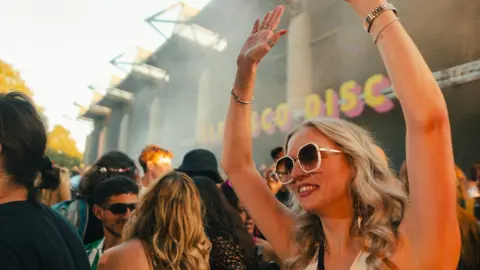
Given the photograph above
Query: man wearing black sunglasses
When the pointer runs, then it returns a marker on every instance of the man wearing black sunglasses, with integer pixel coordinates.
(114, 201)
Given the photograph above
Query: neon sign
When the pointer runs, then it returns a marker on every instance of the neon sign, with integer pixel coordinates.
(350, 100)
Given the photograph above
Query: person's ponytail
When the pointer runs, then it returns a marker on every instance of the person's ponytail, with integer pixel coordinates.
(49, 180)
(50, 175)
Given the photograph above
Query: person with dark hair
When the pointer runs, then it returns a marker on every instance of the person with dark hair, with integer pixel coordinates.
(262, 247)
(230, 195)
(232, 198)
(62, 192)
(278, 189)
(32, 236)
(276, 153)
(113, 203)
(155, 162)
(232, 245)
(201, 162)
(110, 164)
(80, 211)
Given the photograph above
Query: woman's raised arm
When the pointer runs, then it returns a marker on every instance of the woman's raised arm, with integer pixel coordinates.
(435, 240)
(271, 217)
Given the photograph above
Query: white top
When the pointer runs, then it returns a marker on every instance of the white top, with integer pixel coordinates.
(359, 263)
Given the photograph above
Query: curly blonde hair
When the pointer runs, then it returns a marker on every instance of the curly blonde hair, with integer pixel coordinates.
(168, 220)
(379, 200)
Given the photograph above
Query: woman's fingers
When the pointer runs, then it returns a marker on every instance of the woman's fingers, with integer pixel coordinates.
(265, 20)
(255, 26)
(278, 13)
(272, 18)
(278, 35)
(268, 22)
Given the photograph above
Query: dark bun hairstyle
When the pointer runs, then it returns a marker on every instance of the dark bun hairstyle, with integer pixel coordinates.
(50, 175)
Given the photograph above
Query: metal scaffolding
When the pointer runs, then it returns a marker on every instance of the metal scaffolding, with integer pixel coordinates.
(177, 20)
(135, 60)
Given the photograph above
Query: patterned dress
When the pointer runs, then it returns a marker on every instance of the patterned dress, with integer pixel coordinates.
(226, 255)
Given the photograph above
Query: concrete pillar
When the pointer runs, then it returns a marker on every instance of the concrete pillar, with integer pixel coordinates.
(155, 122)
(87, 151)
(203, 107)
(299, 61)
(139, 121)
(102, 142)
(112, 135)
(95, 140)
(124, 133)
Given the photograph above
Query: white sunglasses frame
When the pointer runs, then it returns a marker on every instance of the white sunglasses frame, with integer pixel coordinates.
(319, 150)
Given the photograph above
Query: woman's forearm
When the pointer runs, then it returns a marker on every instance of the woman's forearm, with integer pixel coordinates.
(237, 145)
(419, 95)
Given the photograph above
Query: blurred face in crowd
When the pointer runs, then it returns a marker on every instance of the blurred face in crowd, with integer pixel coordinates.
(116, 212)
(156, 162)
(159, 166)
(247, 220)
(272, 180)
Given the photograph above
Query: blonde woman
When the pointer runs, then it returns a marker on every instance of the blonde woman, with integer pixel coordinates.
(351, 210)
(62, 192)
(165, 231)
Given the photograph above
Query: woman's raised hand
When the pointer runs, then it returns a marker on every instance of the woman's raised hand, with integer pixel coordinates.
(263, 37)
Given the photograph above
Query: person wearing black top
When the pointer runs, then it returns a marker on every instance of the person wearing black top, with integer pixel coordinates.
(32, 236)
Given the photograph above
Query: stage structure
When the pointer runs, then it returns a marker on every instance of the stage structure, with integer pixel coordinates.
(141, 103)
(117, 95)
(98, 115)
(325, 66)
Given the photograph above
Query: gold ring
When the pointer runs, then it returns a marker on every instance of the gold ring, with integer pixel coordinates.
(270, 43)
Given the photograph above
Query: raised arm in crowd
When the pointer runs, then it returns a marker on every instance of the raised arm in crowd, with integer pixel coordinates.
(350, 208)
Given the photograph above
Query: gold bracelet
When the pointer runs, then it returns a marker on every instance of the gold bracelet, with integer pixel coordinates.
(238, 99)
(375, 39)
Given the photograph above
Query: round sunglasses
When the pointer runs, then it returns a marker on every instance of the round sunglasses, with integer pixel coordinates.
(309, 159)
(120, 208)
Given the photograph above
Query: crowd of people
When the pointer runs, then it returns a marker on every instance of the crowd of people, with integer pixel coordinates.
(329, 200)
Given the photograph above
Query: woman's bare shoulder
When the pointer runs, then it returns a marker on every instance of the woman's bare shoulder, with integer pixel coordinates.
(125, 256)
